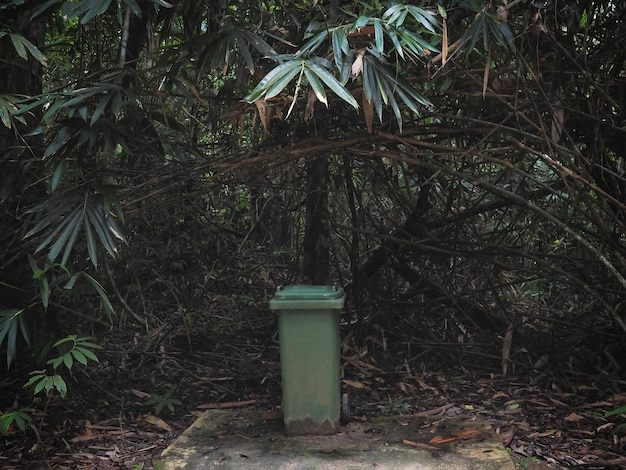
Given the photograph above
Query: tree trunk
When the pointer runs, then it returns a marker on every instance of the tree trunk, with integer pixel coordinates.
(316, 257)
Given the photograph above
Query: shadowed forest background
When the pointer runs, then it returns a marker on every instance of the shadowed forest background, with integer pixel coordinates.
(457, 166)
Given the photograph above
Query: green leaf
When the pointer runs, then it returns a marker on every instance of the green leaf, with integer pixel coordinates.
(334, 84)
(34, 51)
(43, 382)
(258, 43)
(100, 109)
(60, 385)
(86, 342)
(91, 245)
(51, 111)
(79, 356)
(69, 245)
(44, 291)
(67, 339)
(68, 360)
(9, 332)
(280, 84)
(87, 354)
(72, 281)
(103, 297)
(340, 46)
(44, 7)
(396, 42)
(55, 362)
(81, 95)
(72, 223)
(92, 8)
(18, 44)
(317, 86)
(244, 50)
(617, 411)
(132, 4)
(24, 328)
(427, 20)
(361, 21)
(287, 69)
(379, 39)
(312, 44)
(36, 376)
(59, 171)
(97, 219)
(63, 137)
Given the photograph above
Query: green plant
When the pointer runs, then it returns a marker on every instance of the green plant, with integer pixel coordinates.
(17, 418)
(618, 411)
(162, 401)
(10, 321)
(521, 462)
(71, 349)
(398, 406)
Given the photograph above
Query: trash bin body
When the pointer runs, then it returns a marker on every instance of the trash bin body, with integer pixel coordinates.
(308, 328)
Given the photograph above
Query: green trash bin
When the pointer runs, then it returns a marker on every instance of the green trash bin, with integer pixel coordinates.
(308, 328)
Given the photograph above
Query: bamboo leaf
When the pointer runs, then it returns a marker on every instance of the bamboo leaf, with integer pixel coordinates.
(379, 38)
(334, 84)
(340, 46)
(96, 218)
(18, 44)
(132, 4)
(258, 43)
(92, 249)
(424, 17)
(280, 84)
(103, 297)
(100, 109)
(317, 86)
(312, 44)
(396, 42)
(59, 171)
(44, 292)
(34, 51)
(63, 137)
(280, 72)
(245, 51)
(72, 239)
(71, 223)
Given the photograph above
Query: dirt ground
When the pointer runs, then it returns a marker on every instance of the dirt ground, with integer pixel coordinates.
(149, 386)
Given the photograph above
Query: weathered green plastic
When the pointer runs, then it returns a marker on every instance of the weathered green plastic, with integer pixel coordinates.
(308, 326)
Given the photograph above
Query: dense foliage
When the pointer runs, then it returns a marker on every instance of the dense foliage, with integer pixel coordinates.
(458, 159)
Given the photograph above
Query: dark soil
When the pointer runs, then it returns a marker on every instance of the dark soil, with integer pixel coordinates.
(550, 410)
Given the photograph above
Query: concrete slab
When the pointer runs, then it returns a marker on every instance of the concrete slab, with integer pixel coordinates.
(242, 440)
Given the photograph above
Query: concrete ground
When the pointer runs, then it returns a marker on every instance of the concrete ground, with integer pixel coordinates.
(243, 440)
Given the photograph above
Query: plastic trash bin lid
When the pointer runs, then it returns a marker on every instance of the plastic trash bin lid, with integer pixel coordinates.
(301, 296)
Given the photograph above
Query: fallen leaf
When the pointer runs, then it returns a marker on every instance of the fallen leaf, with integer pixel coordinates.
(573, 417)
(435, 411)
(506, 436)
(419, 445)
(270, 415)
(139, 393)
(231, 404)
(155, 421)
(354, 383)
(455, 437)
